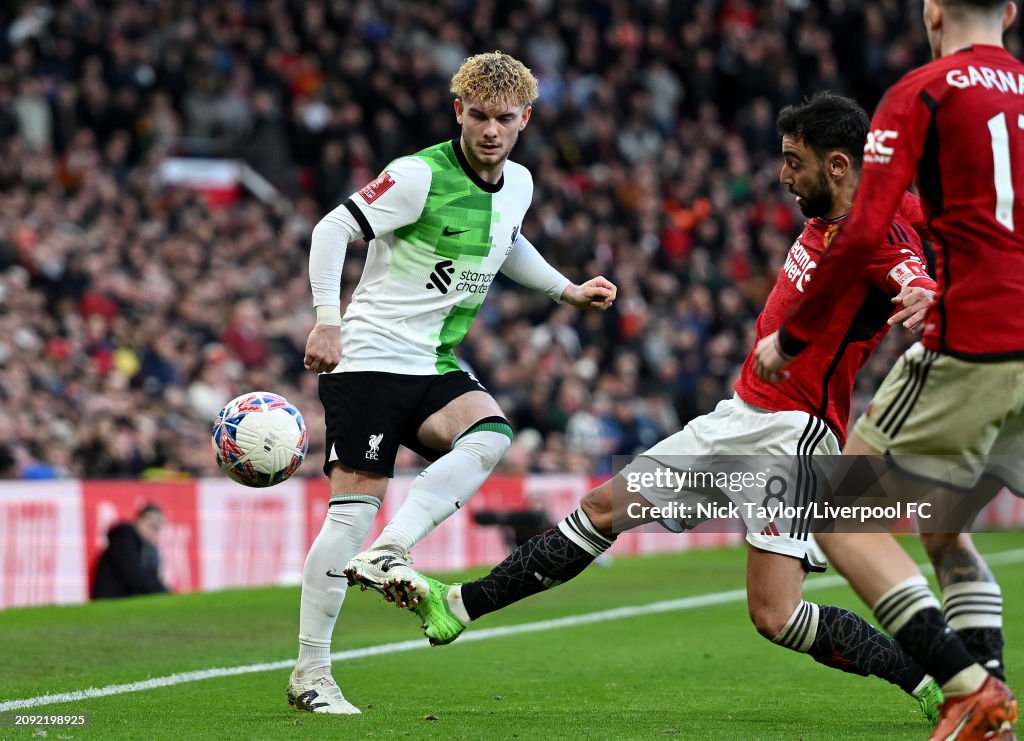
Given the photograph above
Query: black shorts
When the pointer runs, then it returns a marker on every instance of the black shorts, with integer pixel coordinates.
(369, 414)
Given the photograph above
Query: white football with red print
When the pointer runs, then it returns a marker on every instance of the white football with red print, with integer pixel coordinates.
(259, 439)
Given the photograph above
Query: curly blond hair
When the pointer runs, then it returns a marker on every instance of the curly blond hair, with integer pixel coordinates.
(495, 77)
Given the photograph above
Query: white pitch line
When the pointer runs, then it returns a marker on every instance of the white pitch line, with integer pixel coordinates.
(617, 613)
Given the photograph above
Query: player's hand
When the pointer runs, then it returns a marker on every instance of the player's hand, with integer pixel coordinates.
(915, 301)
(769, 360)
(323, 348)
(596, 294)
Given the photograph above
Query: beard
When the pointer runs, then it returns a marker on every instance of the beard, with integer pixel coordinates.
(817, 201)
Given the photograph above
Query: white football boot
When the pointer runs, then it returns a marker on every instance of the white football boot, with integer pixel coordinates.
(388, 572)
(317, 692)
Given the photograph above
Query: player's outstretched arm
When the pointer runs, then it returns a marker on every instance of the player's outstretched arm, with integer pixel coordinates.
(597, 294)
(915, 301)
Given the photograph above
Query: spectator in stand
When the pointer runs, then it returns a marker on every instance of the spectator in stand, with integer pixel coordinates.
(130, 564)
(8, 463)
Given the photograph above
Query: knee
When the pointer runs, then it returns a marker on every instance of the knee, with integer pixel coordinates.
(345, 480)
(487, 440)
(769, 616)
(598, 508)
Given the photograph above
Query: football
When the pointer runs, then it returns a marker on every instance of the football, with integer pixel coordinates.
(259, 439)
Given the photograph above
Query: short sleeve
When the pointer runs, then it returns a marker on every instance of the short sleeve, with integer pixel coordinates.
(394, 199)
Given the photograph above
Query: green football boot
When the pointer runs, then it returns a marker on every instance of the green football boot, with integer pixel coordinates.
(440, 626)
(929, 698)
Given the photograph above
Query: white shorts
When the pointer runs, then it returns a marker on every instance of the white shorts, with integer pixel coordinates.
(739, 438)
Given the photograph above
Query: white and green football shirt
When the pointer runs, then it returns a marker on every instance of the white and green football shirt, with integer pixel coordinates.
(438, 234)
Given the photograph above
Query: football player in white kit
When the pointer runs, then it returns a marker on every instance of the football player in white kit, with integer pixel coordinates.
(440, 223)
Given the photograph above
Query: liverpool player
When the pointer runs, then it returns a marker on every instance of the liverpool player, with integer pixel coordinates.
(957, 126)
(822, 147)
(389, 375)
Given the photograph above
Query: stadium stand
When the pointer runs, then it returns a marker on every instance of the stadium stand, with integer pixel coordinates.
(162, 166)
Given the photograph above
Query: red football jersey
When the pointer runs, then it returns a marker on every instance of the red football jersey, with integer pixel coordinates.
(821, 378)
(955, 125)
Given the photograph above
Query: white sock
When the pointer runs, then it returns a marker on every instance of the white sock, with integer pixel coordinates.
(457, 607)
(444, 486)
(896, 607)
(973, 604)
(966, 681)
(348, 521)
(800, 630)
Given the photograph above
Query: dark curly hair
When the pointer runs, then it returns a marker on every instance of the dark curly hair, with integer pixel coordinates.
(826, 122)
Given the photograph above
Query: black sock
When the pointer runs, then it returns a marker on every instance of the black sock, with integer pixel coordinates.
(844, 640)
(974, 610)
(986, 646)
(544, 561)
(910, 612)
(848, 642)
(927, 638)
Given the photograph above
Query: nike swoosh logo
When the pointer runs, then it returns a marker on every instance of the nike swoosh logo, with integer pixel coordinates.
(448, 232)
(330, 572)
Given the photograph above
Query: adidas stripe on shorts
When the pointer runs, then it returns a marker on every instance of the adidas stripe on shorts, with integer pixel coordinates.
(738, 437)
(950, 420)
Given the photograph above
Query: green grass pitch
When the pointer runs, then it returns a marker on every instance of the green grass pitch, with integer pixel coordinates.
(694, 673)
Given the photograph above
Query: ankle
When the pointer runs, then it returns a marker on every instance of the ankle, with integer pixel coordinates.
(965, 682)
(312, 657)
(457, 606)
(386, 542)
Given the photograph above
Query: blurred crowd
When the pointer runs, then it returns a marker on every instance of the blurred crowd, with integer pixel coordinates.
(131, 311)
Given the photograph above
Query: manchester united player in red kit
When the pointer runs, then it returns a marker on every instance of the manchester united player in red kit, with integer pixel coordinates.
(822, 147)
(955, 125)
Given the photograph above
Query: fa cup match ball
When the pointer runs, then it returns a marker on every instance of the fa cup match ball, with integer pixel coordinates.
(259, 439)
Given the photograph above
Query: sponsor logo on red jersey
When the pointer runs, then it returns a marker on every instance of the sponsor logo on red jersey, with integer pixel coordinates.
(878, 149)
(799, 266)
(376, 188)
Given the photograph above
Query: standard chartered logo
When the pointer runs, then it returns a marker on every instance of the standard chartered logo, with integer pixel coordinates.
(470, 281)
(441, 278)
